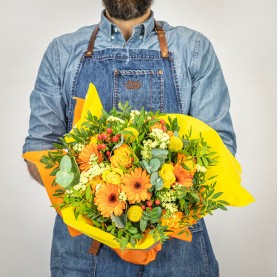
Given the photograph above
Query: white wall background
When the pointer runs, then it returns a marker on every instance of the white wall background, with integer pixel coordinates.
(244, 36)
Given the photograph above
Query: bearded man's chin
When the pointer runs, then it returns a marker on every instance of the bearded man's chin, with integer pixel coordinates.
(127, 9)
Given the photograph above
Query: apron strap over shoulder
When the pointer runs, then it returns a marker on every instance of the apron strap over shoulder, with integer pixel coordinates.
(158, 29)
(162, 40)
(89, 52)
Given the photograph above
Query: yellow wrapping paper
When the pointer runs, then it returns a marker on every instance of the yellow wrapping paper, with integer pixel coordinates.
(228, 171)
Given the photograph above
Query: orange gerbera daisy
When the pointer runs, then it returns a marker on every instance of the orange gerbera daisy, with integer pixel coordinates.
(84, 158)
(107, 200)
(183, 176)
(136, 185)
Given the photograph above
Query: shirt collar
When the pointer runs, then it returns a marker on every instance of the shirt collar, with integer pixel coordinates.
(110, 28)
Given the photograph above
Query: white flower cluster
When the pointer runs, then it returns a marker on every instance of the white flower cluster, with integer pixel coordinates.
(148, 145)
(122, 197)
(167, 196)
(95, 170)
(93, 160)
(161, 140)
(160, 137)
(168, 199)
(114, 119)
(170, 207)
(78, 147)
(86, 176)
(200, 168)
(132, 114)
(178, 189)
(80, 187)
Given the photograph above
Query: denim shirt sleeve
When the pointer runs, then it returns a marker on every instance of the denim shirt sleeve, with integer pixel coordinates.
(47, 120)
(210, 100)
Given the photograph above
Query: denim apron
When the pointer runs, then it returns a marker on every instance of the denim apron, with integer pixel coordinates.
(145, 78)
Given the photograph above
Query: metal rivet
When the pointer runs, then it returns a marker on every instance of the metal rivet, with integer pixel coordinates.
(116, 71)
(160, 72)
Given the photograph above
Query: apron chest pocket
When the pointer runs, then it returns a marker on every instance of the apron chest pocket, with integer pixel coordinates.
(141, 88)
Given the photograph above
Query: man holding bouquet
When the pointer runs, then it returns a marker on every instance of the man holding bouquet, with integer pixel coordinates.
(129, 56)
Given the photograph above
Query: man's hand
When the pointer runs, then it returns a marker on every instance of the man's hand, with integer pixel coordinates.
(34, 172)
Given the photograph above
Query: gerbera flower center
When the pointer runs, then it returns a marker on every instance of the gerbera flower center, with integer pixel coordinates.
(112, 198)
(137, 185)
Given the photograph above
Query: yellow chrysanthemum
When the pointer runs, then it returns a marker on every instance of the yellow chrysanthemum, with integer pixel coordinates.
(135, 213)
(175, 143)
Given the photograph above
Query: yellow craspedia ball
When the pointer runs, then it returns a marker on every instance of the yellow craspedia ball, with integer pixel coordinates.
(135, 213)
(134, 136)
(175, 143)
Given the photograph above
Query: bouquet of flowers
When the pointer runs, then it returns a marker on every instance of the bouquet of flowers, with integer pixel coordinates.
(132, 178)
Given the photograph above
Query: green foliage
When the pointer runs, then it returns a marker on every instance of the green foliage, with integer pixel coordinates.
(195, 201)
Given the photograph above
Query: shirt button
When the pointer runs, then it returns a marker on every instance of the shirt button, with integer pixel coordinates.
(115, 29)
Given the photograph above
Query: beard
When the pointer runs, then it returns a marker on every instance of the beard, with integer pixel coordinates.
(127, 9)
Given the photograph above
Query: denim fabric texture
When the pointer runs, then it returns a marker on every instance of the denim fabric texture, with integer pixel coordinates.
(70, 257)
(202, 88)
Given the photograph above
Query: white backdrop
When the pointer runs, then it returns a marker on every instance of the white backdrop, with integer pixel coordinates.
(244, 36)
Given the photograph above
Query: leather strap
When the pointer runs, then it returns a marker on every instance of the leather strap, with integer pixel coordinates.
(158, 29)
(94, 247)
(162, 40)
(89, 52)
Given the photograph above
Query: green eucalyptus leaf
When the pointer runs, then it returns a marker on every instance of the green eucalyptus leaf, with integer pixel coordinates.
(155, 164)
(120, 221)
(66, 164)
(159, 153)
(154, 177)
(76, 172)
(159, 184)
(63, 178)
(147, 166)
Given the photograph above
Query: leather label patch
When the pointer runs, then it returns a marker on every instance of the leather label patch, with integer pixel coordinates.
(131, 84)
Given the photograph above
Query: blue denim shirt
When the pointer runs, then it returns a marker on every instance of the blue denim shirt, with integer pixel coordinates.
(204, 93)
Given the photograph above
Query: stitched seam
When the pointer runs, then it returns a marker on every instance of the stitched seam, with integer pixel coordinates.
(151, 92)
(177, 89)
(73, 90)
(196, 53)
(58, 61)
(141, 269)
(205, 255)
(94, 267)
(115, 94)
(139, 72)
(162, 92)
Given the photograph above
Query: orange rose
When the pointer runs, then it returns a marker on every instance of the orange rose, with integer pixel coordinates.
(172, 222)
(122, 157)
(183, 176)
